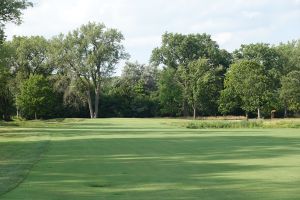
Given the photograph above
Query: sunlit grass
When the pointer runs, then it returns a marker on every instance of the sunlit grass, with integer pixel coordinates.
(146, 159)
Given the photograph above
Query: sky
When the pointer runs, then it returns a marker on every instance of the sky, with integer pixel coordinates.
(142, 22)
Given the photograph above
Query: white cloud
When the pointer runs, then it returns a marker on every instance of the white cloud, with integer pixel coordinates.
(143, 41)
(297, 2)
(251, 14)
(142, 22)
(223, 38)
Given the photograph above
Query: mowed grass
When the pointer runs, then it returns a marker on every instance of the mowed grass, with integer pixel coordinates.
(135, 159)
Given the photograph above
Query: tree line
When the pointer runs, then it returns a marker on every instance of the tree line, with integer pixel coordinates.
(72, 75)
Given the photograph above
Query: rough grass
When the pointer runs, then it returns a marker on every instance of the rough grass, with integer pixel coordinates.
(134, 159)
(200, 124)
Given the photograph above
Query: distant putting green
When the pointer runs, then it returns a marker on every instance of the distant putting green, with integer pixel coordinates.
(137, 159)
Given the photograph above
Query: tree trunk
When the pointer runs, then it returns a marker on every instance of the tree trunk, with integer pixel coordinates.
(185, 108)
(194, 113)
(17, 112)
(258, 113)
(35, 116)
(185, 102)
(247, 116)
(97, 94)
(90, 104)
(285, 112)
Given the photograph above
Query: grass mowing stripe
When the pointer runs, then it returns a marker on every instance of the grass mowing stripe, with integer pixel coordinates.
(167, 162)
(16, 161)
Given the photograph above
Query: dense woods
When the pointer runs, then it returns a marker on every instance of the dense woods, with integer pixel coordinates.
(73, 75)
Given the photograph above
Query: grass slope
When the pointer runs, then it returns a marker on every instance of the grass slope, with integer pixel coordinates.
(149, 159)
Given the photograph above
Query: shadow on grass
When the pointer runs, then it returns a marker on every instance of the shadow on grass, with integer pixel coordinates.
(16, 161)
(120, 161)
(8, 124)
(213, 167)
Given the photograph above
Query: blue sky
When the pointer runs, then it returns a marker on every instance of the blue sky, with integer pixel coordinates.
(230, 22)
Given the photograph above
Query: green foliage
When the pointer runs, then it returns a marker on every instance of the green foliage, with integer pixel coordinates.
(179, 50)
(264, 55)
(248, 81)
(26, 56)
(170, 93)
(261, 53)
(134, 93)
(202, 85)
(229, 101)
(140, 78)
(36, 99)
(11, 11)
(6, 96)
(30, 56)
(290, 55)
(6, 102)
(186, 73)
(290, 91)
(89, 54)
(80, 65)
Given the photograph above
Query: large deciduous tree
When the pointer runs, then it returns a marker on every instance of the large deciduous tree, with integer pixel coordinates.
(290, 56)
(11, 11)
(202, 84)
(170, 94)
(178, 51)
(6, 97)
(36, 98)
(265, 55)
(248, 81)
(229, 101)
(135, 90)
(140, 77)
(89, 54)
(30, 56)
(290, 91)
(272, 63)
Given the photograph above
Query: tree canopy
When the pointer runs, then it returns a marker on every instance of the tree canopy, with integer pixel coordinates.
(248, 81)
(36, 98)
(11, 11)
(89, 54)
(178, 51)
(73, 75)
